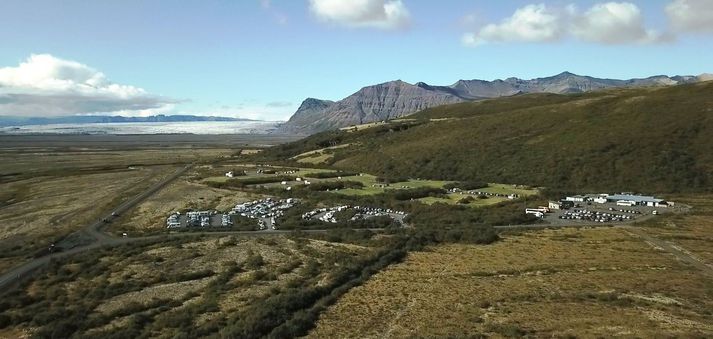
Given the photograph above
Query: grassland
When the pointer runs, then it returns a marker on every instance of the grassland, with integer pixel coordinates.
(503, 189)
(371, 184)
(171, 288)
(47, 193)
(216, 173)
(590, 283)
(43, 210)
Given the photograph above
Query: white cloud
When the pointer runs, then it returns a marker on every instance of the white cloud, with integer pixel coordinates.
(606, 23)
(382, 14)
(532, 23)
(612, 23)
(691, 15)
(44, 85)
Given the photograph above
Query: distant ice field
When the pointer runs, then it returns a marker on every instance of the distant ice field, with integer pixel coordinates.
(198, 127)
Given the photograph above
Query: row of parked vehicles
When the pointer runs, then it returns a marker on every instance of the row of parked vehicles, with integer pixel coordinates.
(595, 216)
(328, 214)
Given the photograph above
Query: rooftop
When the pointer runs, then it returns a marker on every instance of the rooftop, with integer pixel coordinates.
(634, 198)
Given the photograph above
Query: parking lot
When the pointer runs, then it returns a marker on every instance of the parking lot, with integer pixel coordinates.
(264, 212)
(603, 213)
(328, 214)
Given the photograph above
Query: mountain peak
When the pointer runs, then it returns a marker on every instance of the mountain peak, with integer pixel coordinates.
(313, 102)
(565, 74)
(397, 82)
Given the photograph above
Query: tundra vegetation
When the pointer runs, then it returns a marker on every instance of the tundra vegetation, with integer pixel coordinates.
(448, 272)
(604, 282)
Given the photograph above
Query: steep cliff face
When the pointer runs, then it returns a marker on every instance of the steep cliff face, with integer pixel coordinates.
(397, 98)
(385, 101)
(373, 103)
(304, 121)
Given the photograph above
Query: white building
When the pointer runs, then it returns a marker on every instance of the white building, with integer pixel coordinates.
(641, 200)
(229, 174)
(576, 198)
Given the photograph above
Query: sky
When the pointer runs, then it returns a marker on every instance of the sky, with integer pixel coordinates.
(260, 58)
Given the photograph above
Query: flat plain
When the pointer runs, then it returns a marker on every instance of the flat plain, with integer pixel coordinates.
(52, 186)
(602, 282)
(190, 284)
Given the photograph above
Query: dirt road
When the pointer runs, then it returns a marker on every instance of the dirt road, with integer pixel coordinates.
(670, 247)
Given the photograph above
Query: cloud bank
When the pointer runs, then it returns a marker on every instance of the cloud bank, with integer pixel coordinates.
(691, 15)
(608, 23)
(381, 14)
(44, 85)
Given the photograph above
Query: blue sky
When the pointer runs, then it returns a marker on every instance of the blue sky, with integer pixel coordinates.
(260, 59)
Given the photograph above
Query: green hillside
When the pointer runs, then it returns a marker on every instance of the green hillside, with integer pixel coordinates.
(646, 139)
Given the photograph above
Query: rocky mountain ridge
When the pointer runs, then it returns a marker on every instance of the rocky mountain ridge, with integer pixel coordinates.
(396, 99)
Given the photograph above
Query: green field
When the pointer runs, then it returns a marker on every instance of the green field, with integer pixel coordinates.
(252, 173)
(453, 198)
(508, 189)
(370, 180)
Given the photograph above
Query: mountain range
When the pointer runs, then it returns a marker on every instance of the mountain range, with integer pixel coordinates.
(396, 99)
(94, 119)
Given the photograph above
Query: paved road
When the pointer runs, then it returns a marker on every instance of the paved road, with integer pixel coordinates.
(94, 230)
(544, 226)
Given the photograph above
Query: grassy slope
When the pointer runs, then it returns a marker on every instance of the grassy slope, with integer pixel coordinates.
(652, 140)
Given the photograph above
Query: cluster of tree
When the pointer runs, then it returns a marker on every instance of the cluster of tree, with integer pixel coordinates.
(417, 193)
(444, 216)
(327, 175)
(391, 179)
(250, 181)
(333, 185)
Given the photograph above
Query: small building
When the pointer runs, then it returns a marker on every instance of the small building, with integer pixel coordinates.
(555, 205)
(230, 174)
(576, 198)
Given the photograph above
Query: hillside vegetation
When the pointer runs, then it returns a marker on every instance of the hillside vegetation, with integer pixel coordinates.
(644, 139)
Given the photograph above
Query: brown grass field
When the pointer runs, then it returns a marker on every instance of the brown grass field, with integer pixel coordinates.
(41, 210)
(47, 193)
(554, 283)
(171, 273)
